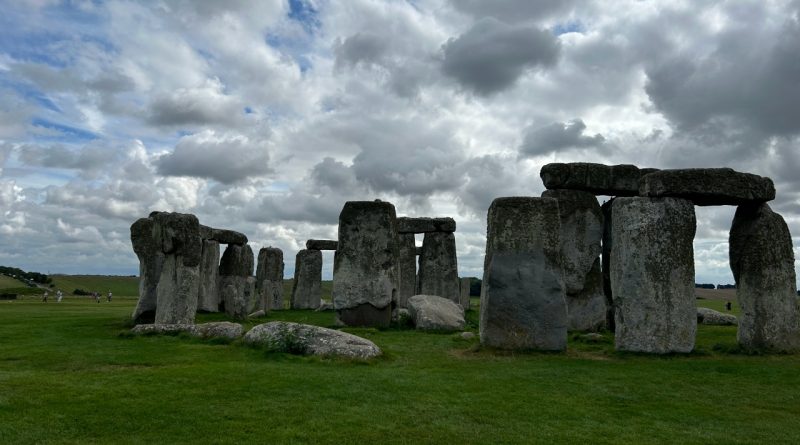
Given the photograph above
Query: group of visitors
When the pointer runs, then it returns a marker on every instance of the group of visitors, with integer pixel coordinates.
(60, 296)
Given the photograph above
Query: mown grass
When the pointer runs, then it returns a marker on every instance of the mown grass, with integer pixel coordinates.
(69, 374)
(7, 282)
(118, 285)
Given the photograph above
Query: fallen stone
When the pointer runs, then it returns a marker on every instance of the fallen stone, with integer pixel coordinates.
(762, 262)
(307, 290)
(425, 225)
(366, 272)
(438, 267)
(269, 278)
(652, 275)
(257, 314)
(221, 329)
(599, 179)
(467, 335)
(304, 339)
(708, 186)
(208, 288)
(433, 313)
(523, 306)
(712, 317)
(160, 329)
(408, 268)
(464, 288)
(322, 244)
(325, 306)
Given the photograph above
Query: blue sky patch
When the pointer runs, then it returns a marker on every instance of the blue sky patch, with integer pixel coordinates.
(568, 27)
(67, 133)
(304, 13)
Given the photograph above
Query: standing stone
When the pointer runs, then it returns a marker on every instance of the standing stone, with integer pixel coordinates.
(523, 297)
(179, 237)
(438, 268)
(208, 292)
(408, 268)
(269, 279)
(237, 286)
(151, 261)
(762, 262)
(464, 286)
(307, 290)
(581, 234)
(607, 243)
(652, 274)
(366, 272)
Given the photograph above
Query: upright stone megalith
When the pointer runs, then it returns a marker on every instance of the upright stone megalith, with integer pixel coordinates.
(408, 268)
(762, 262)
(269, 279)
(151, 261)
(608, 241)
(237, 285)
(208, 291)
(438, 267)
(307, 290)
(652, 274)
(581, 236)
(523, 295)
(464, 288)
(366, 268)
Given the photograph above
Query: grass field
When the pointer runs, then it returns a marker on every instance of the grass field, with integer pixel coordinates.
(69, 374)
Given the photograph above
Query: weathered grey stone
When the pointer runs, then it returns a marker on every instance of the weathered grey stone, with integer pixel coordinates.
(652, 275)
(269, 278)
(160, 329)
(522, 224)
(307, 290)
(325, 306)
(408, 268)
(425, 225)
(178, 234)
(712, 317)
(523, 306)
(322, 244)
(221, 329)
(208, 289)
(310, 340)
(762, 262)
(433, 313)
(237, 285)
(708, 186)
(467, 335)
(258, 313)
(223, 236)
(366, 273)
(607, 243)
(438, 268)
(614, 180)
(464, 287)
(581, 234)
(151, 261)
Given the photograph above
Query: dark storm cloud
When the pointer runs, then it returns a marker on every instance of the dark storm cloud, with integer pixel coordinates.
(558, 137)
(363, 47)
(513, 10)
(492, 55)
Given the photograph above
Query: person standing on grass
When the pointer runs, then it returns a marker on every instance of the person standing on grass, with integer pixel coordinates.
(109, 296)
(44, 297)
(59, 296)
(97, 297)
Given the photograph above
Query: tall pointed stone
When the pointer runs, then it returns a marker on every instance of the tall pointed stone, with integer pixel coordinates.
(307, 290)
(762, 262)
(269, 279)
(366, 273)
(464, 288)
(652, 274)
(438, 266)
(408, 268)
(208, 291)
(151, 261)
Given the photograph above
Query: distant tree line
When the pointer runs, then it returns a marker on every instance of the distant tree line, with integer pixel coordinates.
(711, 286)
(27, 277)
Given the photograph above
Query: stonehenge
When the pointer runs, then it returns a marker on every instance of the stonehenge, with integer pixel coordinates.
(208, 292)
(438, 267)
(708, 186)
(464, 288)
(269, 279)
(306, 289)
(366, 271)
(408, 268)
(322, 244)
(236, 283)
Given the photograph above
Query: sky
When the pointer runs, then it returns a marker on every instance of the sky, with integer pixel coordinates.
(266, 117)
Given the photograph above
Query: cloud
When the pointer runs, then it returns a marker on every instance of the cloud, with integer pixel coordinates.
(558, 137)
(512, 11)
(90, 160)
(226, 158)
(492, 55)
(196, 107)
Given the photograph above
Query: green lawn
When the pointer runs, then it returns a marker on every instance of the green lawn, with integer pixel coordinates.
(118, 285)
(9, 283)
(69, 374)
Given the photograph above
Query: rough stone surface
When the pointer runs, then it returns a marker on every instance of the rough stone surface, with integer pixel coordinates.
(599, 179)
(237, 286)
(523, 306)
(366, 273)
(438, 267)
(307, 290)
(151, 261)
(178, 234)
(258, 313)
(223, 236)
(408, 268)
(652, 275)
(712, 317)
(433, 313)
(325, 306)
(322, 244)
(708, 186)
(522, 224)
(464, 286)
(269, 279)
(208, 289)
(221, 329)
(310, 340)
(606, 262)
(762, 262)
(581, 236)
(425, 225)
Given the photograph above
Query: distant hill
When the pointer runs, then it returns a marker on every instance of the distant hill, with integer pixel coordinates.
(122, 286)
